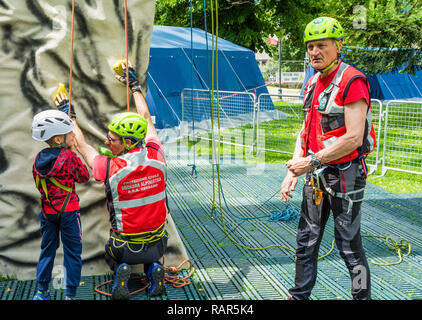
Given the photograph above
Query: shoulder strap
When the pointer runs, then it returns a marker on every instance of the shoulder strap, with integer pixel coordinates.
(43, 186)
(165, 181)
(59, 185)
(160, 152)
(107, 169)
(54, 181)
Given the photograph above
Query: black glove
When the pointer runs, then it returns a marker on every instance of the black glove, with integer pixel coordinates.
(64, 106)
(133, 80)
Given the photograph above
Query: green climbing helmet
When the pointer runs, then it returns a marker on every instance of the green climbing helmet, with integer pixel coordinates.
(129, 125)
(323, 28)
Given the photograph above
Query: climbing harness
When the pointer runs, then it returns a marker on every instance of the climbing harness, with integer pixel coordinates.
(44, 196)
(318, 178)
(142, 238)
(399, 246)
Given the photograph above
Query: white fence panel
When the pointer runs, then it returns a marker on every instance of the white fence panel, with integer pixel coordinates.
(375, 158)
(233, 112)
(279, 120)
(402, 144)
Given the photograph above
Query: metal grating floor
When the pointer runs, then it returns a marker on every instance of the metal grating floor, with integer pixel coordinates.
(227, 271)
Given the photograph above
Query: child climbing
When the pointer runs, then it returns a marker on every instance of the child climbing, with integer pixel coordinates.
(55, 171)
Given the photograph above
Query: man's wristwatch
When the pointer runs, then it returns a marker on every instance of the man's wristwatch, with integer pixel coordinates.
(314, 161)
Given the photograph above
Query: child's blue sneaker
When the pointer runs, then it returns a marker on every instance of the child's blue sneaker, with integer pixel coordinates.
(120, 290)
(42, 295)
(156, 280)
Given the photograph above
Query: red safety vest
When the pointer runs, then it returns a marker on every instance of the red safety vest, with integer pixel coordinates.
(136, 191)
(330, 123)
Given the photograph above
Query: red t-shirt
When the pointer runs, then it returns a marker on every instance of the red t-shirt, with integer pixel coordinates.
(358, 90)
(99, 167)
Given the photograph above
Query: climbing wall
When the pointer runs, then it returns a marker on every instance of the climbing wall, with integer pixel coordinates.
(34, 58)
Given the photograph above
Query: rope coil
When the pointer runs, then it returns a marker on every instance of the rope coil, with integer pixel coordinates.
(397, 246)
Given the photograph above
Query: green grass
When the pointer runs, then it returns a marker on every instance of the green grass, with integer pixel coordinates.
(397, 182)
(281, 135)
(7, 278)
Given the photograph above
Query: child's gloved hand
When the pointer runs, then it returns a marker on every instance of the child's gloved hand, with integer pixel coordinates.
(133, 80)
(62, 104)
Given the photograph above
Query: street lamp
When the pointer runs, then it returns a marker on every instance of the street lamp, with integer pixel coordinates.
(286, 36)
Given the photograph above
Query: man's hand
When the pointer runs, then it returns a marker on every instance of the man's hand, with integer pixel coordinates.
(299, 165)
(62, 103)
(288, 184)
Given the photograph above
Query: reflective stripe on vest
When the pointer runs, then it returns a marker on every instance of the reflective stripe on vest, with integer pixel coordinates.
(133, 161)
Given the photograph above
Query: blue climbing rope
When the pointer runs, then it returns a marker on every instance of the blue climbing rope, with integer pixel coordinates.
(275, 216)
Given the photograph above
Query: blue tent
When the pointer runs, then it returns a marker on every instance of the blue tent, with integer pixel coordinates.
(387, 86)
(171, 70)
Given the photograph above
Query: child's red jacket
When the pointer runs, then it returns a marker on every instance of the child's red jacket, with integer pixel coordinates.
(67, 168)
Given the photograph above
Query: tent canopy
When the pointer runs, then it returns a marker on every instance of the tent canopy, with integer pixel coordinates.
(177, 63)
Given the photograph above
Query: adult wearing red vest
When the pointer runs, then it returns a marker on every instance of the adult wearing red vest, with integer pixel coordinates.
(135, 183)
(336, 135)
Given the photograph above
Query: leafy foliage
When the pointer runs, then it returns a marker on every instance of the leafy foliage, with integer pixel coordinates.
(244, 22)
(390, 27)
(392, 30)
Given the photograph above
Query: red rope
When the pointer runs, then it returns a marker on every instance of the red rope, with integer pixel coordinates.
(175, 281)
(127, 61)
(71, 56)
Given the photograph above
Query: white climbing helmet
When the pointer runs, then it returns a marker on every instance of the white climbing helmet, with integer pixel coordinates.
(50, 123)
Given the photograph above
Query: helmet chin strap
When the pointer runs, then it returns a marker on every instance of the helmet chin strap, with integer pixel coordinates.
(60, 145)
(329, 67)
(127, 149)
(64, 141)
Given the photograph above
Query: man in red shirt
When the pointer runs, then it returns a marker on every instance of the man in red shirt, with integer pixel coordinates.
(135, 184)
(335, 137)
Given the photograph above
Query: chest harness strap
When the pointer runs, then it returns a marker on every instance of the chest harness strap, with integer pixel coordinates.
(46, 199)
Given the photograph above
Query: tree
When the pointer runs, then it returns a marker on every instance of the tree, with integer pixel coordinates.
(244, 22)
(247, 23)
(391, 28)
